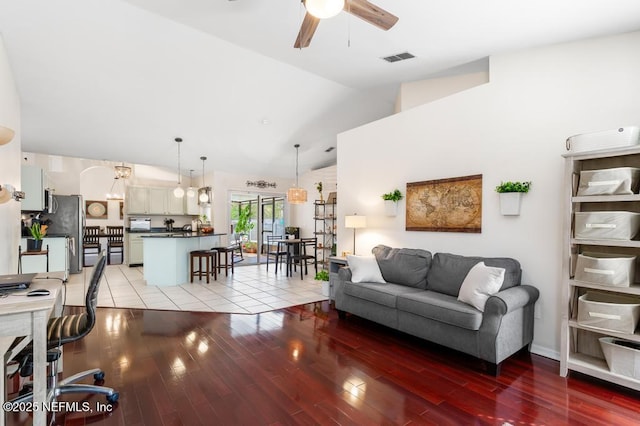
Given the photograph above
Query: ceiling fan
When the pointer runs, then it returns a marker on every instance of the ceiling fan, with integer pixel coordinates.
(321, 9)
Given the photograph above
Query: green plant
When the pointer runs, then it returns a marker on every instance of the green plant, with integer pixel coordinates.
(322, 275)
(319, 186)
(513, 187)
(396, 196)
(244, 224)
(38, 231)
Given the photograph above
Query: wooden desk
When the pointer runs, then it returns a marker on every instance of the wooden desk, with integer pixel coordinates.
(28, 316)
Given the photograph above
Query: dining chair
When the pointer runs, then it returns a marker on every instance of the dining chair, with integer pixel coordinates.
(276, 249)
(308, 252)
(115, 242)
(90, 242)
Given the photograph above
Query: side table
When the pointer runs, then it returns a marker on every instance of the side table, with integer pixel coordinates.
(32, 253)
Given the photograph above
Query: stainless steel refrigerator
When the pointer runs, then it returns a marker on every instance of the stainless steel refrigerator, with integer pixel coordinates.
(67, 218)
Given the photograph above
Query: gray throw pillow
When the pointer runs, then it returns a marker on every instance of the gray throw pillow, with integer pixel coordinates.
(403, 266)
(448, 271)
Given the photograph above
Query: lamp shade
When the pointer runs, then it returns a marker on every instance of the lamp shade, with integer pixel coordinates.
(6, 135)
(355, 221)
(297, 195)
(324, 8)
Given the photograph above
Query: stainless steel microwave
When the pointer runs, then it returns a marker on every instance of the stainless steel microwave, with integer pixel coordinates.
(139, 224)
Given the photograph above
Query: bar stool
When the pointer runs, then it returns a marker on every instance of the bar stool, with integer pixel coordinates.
(225, 253)
(209, 257)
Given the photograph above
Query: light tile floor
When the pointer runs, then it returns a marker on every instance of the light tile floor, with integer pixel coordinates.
(250, 290)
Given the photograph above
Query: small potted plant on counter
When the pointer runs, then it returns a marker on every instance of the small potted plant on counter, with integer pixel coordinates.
(511, 196)
(391, 202)
(37, 231)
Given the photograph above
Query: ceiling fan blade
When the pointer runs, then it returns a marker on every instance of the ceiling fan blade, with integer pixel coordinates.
(308, 28)
(371, 13)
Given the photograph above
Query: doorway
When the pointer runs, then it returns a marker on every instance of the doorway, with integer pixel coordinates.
(259, 216)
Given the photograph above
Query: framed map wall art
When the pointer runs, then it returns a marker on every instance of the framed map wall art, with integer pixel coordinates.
(445, 205)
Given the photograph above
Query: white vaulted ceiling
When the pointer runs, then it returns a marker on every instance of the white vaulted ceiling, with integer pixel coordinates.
(119, 80)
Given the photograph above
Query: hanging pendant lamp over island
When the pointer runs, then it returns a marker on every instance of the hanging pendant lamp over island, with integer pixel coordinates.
(179, 192)
(205, 196)
(297, 195)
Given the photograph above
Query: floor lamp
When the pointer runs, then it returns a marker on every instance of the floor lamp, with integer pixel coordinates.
(355, 222)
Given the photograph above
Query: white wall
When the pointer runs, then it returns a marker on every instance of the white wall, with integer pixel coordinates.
(416, 93)
(9, 166)
(512, 128)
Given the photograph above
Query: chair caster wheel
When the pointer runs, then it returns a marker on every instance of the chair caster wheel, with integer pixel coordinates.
(99, 376)
(113, 398)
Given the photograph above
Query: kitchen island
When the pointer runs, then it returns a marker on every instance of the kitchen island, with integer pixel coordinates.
(166, 256)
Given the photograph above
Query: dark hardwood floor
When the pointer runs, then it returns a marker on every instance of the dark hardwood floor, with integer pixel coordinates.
(304, 366)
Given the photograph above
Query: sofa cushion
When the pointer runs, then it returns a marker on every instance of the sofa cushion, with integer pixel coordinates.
(364, 269)
(441, 307)
(481, 282)
(382, 294)
(448, 271)
(403, 266)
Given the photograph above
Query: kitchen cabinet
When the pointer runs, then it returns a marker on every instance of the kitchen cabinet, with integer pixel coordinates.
(58, 256)
(191, 205)
(148, 200)
(137, 200)
(592, 239)
(33, 187)
(135, 252)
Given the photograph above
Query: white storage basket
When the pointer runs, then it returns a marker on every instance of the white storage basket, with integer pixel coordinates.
(622, 136)
(610, 312)
(606, 225)
(617, 181)
(614, 270)
(623, 357)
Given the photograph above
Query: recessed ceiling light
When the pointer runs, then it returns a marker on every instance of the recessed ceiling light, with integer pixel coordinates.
(265, 121)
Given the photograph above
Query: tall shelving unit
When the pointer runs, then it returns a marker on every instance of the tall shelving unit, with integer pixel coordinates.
(324, 217)
(580, 348)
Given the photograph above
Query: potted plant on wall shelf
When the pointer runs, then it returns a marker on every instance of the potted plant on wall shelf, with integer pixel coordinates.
(511, 196)
(391, 202)
(37, 231)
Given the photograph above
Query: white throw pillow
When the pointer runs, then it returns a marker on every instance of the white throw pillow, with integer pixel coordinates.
(481, 282)
(364, 269)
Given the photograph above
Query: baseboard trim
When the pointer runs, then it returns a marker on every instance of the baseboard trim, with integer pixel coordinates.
(545, 352)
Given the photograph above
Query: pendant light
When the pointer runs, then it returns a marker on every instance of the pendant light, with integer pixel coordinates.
(297, 195)
(191, 192)
(179, 192)
(204, 193)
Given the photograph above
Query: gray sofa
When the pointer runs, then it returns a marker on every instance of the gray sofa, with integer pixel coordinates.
(420, 298)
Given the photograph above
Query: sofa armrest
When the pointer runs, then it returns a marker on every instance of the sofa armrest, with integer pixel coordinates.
(507, 323)
(511, 299)
(344, 275)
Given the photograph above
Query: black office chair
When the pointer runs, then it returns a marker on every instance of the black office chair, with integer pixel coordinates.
(63, 330)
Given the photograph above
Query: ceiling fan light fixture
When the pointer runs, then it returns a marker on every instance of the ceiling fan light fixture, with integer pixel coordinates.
(323, 9)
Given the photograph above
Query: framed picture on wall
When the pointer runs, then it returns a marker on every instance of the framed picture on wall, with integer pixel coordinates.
(96, 209)
(445, 205)
(121, 210)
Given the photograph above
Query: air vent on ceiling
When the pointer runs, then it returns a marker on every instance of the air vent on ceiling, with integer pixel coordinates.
(331, 148)
(398, 57)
